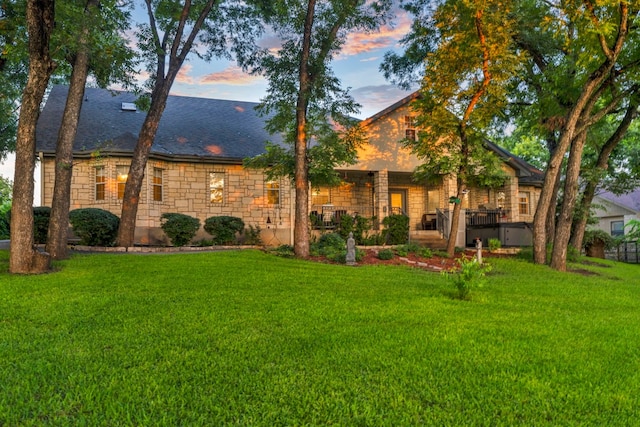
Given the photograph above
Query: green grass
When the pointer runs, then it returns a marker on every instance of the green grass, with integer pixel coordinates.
(246, 338)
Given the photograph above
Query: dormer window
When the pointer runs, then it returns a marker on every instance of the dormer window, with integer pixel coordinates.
(128, 106)
(410, 128)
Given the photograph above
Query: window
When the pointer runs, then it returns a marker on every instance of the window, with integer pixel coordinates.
(617, 228)
(410, 127)
(320, 196)
(433, 200)
(216, 187)
(101, 182)
(122, 172)
(523, 203)
(157, 185)
(273, 192)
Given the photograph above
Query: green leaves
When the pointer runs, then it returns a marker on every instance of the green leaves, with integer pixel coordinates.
(332, 134)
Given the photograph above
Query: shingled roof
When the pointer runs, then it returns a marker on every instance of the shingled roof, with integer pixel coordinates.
(210, 130)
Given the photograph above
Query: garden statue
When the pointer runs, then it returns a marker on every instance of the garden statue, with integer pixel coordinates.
(351, 250)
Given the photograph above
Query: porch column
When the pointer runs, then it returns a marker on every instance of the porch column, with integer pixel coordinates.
(382, 195)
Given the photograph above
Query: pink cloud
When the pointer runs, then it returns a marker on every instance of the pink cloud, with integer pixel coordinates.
(183, 75)
(387, 37)
(230, 76)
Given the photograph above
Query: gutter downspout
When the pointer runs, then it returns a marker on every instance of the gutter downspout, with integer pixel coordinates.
(41, 158)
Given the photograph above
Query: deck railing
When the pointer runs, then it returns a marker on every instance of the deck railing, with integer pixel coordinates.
(486, 216)
(328, 216)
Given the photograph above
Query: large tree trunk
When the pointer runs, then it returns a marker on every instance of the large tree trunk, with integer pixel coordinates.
(59, 221)
(594, 81)
(565, 219)
(24, 258)
(455, 219)
(135, 177)
(301, 227)
(550, 226)
(555, 165)
(178, 51)
(602, 165)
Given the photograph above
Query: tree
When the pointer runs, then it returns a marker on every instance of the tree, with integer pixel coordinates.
(582, 71)
(170, 36)
(101, 50)
(24, 258)
(306, 99)
(593, 174)
(13, 69)
(468, 42)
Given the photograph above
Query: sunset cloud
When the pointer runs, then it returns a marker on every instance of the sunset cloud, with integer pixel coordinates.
(183, 75)
(386, 38)
(229, 76)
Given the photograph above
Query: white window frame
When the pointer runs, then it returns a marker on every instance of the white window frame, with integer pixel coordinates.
(272, 189)
(100, 184)
(157, 185)
(121, 180)
(524, 203)
(219, 200)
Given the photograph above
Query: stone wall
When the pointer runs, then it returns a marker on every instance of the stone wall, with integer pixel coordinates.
(185, 189)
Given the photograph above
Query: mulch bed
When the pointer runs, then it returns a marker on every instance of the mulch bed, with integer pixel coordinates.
(435, 263)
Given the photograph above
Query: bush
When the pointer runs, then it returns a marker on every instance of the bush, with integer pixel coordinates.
(41, 217)
(425, 252)
(328, 245)
(4, 223)
(386, 254)
(397, 229)
(223, 228)
(594, 236)
(251, 235)
(494, 244)
(94, 227)
(285, 251)
(180, 228)
(467, 276)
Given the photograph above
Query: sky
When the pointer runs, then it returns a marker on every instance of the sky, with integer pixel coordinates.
(357, 66)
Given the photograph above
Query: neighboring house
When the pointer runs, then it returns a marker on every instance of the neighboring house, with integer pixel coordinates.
(615, 212)
(196, 168)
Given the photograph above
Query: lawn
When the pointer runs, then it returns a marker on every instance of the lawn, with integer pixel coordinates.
(247, 338)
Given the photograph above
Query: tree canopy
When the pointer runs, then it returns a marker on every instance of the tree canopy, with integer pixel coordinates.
(305, 99)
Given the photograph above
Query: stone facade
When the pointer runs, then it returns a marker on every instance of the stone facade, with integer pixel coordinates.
(185, 189)
(379, 184)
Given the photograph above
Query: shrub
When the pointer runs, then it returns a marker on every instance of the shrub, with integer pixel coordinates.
(467, 276)
(180, 228)
(41, 217)
(328, 245)
(425, 252)
(593, 236)
(223, 228)
(285, 251)
(494, 244)
(442, 254)
(94, 227)
(573, 254)
(402, 251)
(397, 229)
(4, 222)
(386, 254)
(374, 239)
(251, 235)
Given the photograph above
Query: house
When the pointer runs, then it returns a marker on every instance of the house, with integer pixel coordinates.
(614, 212)
(195, 168)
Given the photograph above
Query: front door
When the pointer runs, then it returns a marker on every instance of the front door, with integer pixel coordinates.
(398, 201)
